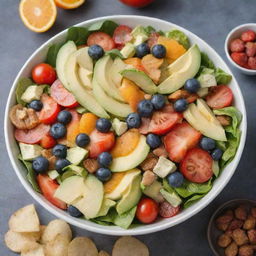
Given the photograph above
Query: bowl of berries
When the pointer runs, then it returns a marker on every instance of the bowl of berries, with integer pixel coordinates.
(240, 48)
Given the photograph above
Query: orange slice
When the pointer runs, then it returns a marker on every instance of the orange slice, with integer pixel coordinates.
(38, 15)
(116, 178)
(69, 4)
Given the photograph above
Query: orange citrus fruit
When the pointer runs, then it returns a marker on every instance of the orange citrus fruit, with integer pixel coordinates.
(69, 4)
(38, 15)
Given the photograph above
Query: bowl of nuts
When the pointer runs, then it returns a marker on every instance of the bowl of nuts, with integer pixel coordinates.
(232, 229)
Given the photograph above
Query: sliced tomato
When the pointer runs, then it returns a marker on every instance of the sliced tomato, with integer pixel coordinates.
(48, 188)
(152, 40)
(166, 210)
(48, 141)
(62, 96)
(50, 110)
(102, 39)
(221, 96)
(32, 136)
(100, 142)
(197, 165)
(179, 140)
(161, 121)
(122, 35)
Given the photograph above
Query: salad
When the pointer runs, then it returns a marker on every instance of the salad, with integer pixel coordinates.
(124, 126)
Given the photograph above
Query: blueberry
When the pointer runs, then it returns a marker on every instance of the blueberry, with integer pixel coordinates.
(58, 130)
(103, 174)
(133, 120)
(142, 50)
(74, 212)
(145, 108)
(40, 164)
(216, 154)
(82, 139)
(103, 125)
(64, 117)
(158, 101)
(180, 105)
(153, 140)
(192, 85)
(60, 164)
(158, 51)
(207, 143)
(104, 159)
(95, 52)
(175, 179)
(60, 151)
(37, 105)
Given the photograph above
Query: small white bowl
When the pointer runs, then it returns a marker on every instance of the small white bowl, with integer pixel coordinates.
(236, 33)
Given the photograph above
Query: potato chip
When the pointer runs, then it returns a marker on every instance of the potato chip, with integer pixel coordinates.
(25, 220)
(82, 246)
(55, 228)
(58, 246)
(127, 245)
(18, 242)
(103, 253)
(35, 252)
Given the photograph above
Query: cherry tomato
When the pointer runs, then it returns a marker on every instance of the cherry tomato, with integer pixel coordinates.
(166, 210)
(50, 110)
(197, 165)
(152, 40)
(43, 74)
(122, 35)
(136, 3)
(48, 141)
(48, 188)
(62, 96)
(147, 210)
(221, 96)
(32, 136)
(102, 39)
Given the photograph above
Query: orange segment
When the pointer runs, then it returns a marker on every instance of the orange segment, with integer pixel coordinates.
(38, 15)
(136, 62)
(131, 93)
(69, 4)
(116, 178)
(126, 143)
(87, 123)
(173, 49)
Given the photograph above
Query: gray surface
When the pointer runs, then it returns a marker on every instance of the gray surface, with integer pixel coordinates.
(216, 19)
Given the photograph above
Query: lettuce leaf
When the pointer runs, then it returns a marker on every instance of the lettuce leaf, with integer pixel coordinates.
(178, 36)
(192, 200)
(115, 53)
(149, 30)
(52, 54)
(78, 34)
(22, 85)
(106, 26)
(206, 62)
(222, 77)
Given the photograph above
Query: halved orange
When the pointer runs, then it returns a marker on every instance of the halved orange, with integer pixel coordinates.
(69, 4)
(38, 15)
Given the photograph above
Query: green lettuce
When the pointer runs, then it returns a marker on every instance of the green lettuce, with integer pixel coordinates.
(206, 62)
(178, 36)
(192, 200)
(106, 26)
(149, 30)
(52, 54)
(222, 77)
(115, 53)
(22, 85)
(78, 34)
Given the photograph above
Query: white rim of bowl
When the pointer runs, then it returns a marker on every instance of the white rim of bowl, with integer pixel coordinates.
(208, 198)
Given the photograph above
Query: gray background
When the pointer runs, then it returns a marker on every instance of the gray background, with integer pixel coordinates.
(209, 19)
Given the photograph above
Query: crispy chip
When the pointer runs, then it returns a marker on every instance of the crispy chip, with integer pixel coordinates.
(18, 242)
(103, 253)
(58, 246)
(127, 245)
(55, 228)
(25, 220)
(82, 246)
(36, 252)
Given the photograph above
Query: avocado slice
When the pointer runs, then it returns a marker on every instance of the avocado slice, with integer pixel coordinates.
(82, 95)
(84, 60)
(131, 197)
(137, 156)
(116, 68)
(181, 70)
(85, 77)
(153, 191)
(141, 79)
(172, 197)
(106, 205)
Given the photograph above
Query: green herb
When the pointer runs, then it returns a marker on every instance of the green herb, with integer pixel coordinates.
(114, 53)
(192, 200)
(78, 34)
(107, 26)
(52, 54)
(222, 77)
(22, 85)
(178, 36)
(160, 32)
(149, 30)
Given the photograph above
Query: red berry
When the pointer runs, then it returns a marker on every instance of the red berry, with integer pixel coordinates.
(237, 45)
(248, 36)
(252, 62)
(250, 49)
(240, 58)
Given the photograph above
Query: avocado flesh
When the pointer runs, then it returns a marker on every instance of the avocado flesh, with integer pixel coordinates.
(153, 191)
(116, 68)
(85, 77)
(84, 60)
(182, 69)
(135, 158)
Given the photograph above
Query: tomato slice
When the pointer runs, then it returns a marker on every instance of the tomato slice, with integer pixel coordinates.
(62, 96)
(122, 35)
(197, 165)
(32, 136)
(102, 39)
(179, 140)
(152, 40)
(50, 110)
(147, 210)
(48, 188)
(161, 121)
(166, 210)
(221, 96)
(48, 141)
(100, 142)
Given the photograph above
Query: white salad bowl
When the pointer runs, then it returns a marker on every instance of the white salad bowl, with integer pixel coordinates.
(13, 150)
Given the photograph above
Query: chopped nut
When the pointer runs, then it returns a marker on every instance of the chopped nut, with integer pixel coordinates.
(47, 153)
(226, 218)
(148, 178)
(222, 226)
(234, 224)
(147, 96)
(191, 98)
(231, 250)
(149, 163)
(252, 236)
(224, 240)
(241, 213)
(249, 223)
(245, 250)
(178, 95)
(23, 118)
(224, 120)
(253, 212)
(240, 237)
(91, 165)
(160, 151)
